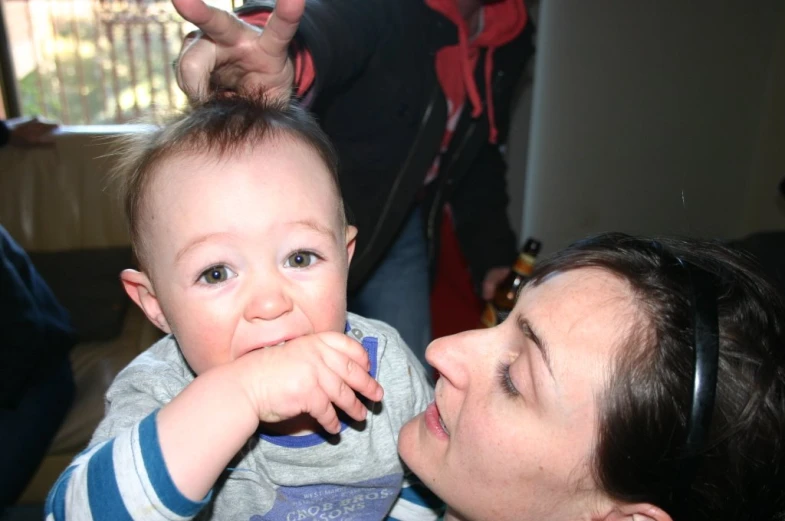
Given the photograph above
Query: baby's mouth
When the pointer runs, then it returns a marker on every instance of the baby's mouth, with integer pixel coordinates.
(265, 346)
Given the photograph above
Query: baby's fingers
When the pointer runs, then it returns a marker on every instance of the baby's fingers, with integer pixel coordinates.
(354, 373)
(342, 394)
(322, 410)
(348, 347)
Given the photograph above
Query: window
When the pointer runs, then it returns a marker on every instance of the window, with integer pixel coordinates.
(95, 61)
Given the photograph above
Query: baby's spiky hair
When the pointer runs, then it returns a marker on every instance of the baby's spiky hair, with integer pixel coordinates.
(225, 124)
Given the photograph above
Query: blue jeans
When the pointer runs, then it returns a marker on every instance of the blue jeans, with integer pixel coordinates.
(398, 292)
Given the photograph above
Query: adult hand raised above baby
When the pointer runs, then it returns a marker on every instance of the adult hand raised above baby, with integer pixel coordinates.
(229, 53)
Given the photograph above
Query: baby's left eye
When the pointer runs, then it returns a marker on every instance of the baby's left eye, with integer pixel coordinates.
(300, 259)
(216, 274)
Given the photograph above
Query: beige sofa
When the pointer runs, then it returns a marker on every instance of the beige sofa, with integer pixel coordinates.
(54, 202)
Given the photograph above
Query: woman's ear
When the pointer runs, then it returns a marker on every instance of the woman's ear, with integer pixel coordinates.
(637, 512)
(140, 289)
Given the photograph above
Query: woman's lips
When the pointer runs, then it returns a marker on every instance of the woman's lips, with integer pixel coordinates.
(433, 422)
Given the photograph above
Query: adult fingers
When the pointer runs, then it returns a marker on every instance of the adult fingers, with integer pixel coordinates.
(488, 288)
(195, 65)
(194, 11)
(492, 280)
(221, 26)
(281, 28)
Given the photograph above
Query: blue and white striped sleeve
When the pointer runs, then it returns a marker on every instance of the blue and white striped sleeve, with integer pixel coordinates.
(416, 502)
(124, 478)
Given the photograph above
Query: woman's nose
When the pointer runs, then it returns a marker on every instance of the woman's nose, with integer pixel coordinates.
(269, 300)
(451, 357)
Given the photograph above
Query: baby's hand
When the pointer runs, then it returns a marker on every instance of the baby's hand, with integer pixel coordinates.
(312, 374)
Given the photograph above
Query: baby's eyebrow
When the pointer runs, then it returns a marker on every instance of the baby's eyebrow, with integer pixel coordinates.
(318, 227)
(196, 242)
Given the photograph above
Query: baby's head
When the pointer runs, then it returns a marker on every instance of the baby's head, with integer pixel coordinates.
(236, 218)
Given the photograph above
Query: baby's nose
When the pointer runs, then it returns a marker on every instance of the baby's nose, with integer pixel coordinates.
(269, 301)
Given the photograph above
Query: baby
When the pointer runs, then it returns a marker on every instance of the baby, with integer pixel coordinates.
(264, 399)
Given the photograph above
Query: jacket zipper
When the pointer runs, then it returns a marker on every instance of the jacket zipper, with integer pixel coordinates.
(440, 192)
(404, 168)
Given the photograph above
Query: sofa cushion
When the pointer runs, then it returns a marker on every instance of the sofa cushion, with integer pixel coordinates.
(95, 365)
(87, 283)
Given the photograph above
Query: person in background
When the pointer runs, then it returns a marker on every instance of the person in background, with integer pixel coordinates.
(36, 382)
(25, 132)
(415, 95)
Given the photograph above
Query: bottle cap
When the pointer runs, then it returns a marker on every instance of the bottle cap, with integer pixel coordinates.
(532, 247)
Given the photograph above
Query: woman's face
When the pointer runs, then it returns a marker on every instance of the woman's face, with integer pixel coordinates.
(514, 421)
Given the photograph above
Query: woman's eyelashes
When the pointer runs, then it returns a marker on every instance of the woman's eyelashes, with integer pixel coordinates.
(216, 274)
(301, 259)
(505, 381)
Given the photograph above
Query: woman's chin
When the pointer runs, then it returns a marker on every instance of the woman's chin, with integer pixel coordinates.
(419, 449)
(410, 441)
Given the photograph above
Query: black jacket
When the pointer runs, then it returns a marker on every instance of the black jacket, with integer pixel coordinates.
(5, 134)
(378, 99)
(37, 332)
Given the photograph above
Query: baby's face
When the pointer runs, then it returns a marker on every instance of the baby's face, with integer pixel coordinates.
(246, 252)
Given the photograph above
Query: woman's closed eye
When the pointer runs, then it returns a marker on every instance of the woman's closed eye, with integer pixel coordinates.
(505, 381)
(216, 274)
(301, 259)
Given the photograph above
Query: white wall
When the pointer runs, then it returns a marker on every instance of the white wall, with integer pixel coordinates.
(518, 139)
(654, 117)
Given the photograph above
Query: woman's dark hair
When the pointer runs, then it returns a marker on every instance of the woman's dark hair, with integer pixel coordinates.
(640, 452)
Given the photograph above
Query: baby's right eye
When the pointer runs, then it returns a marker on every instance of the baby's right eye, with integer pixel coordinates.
(216, 275)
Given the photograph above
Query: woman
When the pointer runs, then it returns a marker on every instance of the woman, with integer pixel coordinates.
(580, 405)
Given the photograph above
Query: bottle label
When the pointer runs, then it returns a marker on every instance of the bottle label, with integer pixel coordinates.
(524, 264)
(488, 317)
(491, 316)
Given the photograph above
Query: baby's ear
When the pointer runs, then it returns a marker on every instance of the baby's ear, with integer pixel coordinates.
(351, 241)
(140, 289)
(637, 512)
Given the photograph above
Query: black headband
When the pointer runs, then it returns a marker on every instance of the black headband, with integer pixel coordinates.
(704, 387)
